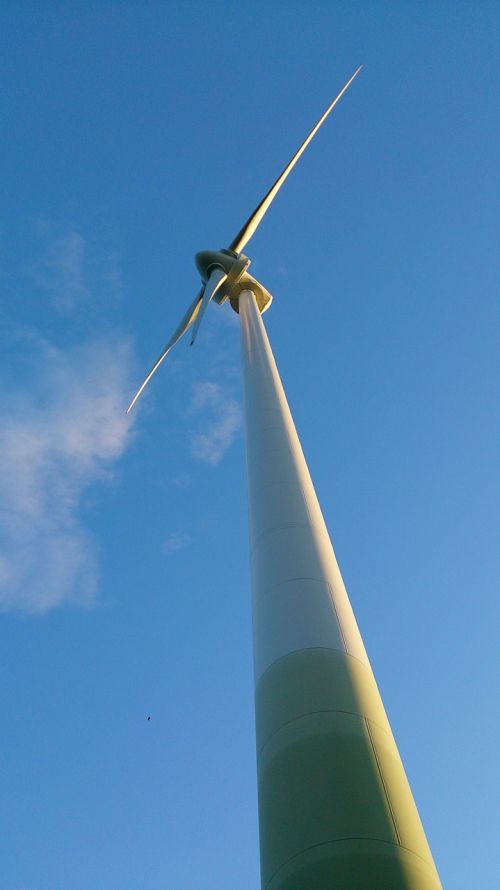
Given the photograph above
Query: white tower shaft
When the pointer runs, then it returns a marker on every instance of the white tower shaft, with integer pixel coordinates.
(335, 808)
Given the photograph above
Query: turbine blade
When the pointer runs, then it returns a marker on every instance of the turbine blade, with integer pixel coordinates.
(255, 219)
(216, 278)
(187, 320)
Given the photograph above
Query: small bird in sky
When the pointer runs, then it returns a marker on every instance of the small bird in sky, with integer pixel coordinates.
(149, 718)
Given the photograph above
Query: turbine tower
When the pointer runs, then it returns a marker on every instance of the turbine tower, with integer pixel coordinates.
(335, 808)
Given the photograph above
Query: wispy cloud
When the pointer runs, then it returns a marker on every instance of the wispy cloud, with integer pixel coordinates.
(58, 435)
(181, 480)
(70, 272)
(220, 417)
(60, 270)
(176, 541)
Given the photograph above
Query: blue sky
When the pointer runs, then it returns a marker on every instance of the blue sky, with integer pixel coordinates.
(135, 135)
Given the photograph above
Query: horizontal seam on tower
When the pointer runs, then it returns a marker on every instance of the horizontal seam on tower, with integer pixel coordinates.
(265, 485)
(259, 349)
(266, 450)
(269, 592)
(376, 840)
(275, 589)
(313, 648)
(276, 528)
(328, 711)
(286, 581)
(268, 420)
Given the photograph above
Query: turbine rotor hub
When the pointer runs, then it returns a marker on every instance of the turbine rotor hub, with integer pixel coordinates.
(235, 266)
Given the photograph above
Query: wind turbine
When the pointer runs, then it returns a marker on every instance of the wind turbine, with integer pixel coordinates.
(335, 808)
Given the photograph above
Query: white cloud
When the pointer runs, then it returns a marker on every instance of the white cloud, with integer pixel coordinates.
(176, 541)
(59, 435)
(73, 272)
(181, 480)
(222, 420)
(60, 271)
